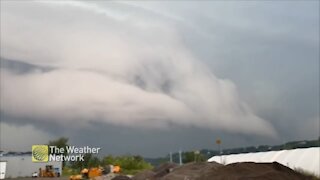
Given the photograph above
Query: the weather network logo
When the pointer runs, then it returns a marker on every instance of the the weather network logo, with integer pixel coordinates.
(40, 153)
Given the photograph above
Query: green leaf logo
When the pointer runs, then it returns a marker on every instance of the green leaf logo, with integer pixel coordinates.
(40, 153)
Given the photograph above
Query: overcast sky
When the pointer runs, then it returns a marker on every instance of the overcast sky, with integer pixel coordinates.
(153, 77)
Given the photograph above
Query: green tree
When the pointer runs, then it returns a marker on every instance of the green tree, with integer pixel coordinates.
(193, 157)
(89, 162)
(60, 143)
(93, 162)
(107, 160)
(129, 164)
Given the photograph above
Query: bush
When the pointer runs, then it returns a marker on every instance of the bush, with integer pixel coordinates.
(128, 164)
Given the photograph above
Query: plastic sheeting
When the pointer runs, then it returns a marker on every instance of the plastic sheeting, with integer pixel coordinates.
(307, 159)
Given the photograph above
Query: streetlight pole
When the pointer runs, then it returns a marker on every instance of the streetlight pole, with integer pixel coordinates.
(218, 141)
(180, 157)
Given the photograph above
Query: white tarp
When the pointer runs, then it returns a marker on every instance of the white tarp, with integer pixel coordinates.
(307, 159)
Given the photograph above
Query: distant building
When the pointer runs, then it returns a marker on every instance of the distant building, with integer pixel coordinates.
(2, 169)
(21, 165)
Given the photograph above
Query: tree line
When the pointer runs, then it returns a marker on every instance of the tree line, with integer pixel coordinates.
(130, 164)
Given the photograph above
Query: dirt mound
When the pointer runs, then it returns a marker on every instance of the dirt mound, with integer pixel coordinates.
(250, 170)
(121, 177)
(209, 171)
(164, 169)
(156, 173)
(191, 171)
(145, 175)
(170, 171)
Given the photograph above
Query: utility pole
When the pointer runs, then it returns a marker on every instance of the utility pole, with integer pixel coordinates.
(171, 157)
(196, 154)
(180, 157)
(218, 141)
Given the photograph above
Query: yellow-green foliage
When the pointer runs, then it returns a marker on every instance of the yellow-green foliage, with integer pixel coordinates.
(67, 171)
(128, 164)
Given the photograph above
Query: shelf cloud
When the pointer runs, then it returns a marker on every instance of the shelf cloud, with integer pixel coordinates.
(130, 69)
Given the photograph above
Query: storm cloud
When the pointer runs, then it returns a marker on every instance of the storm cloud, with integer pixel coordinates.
(103, 65)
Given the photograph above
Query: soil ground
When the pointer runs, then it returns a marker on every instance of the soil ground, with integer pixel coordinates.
(209, 171)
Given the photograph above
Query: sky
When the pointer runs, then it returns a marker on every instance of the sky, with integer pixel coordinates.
(149, 78)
